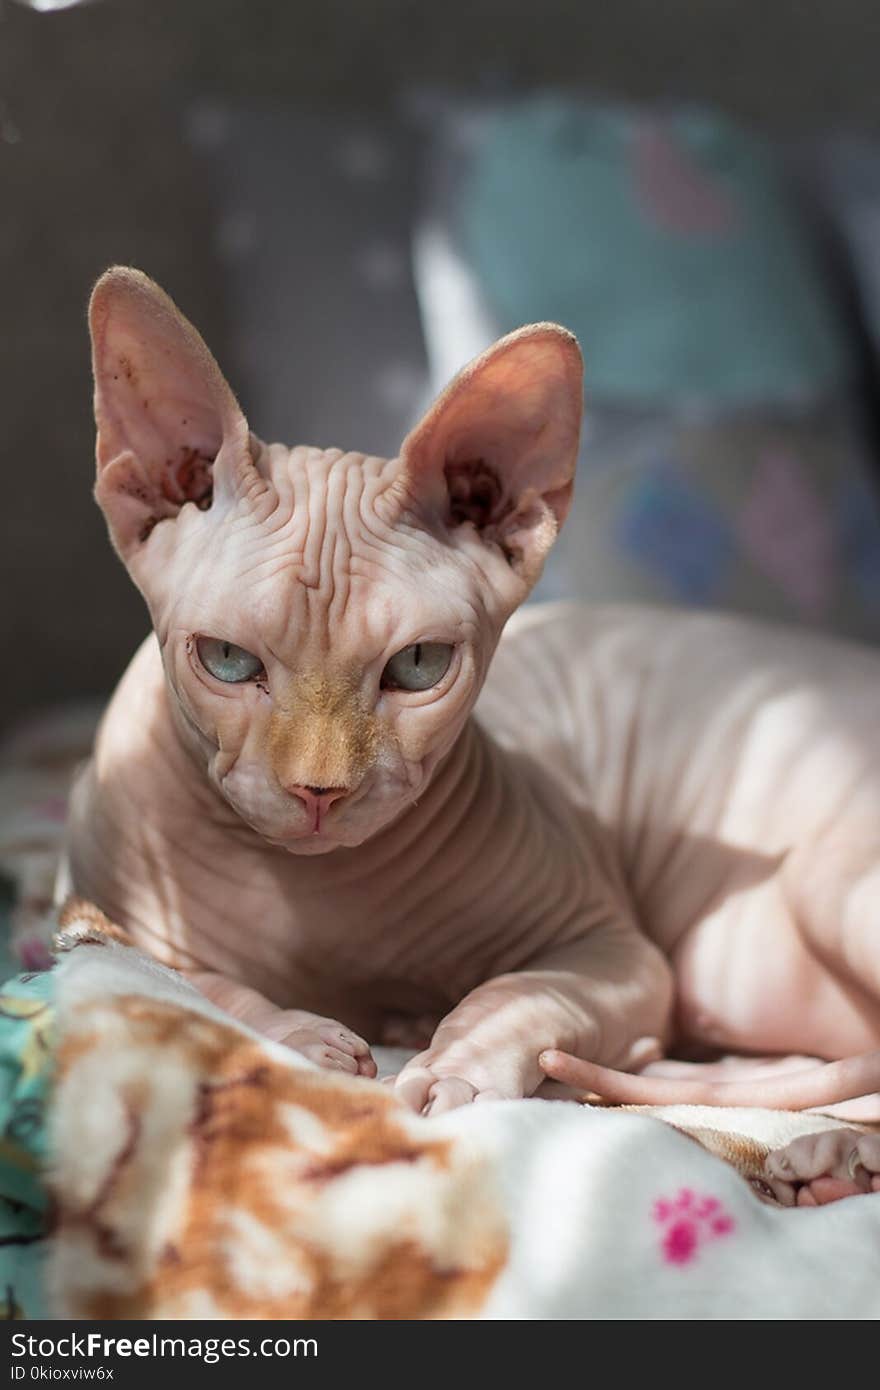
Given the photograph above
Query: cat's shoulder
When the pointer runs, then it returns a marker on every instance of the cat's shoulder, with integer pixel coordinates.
(671, 645)
(569, 621)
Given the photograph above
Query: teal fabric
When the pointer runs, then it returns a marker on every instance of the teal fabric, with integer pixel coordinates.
(26, 1010)
(665, 243)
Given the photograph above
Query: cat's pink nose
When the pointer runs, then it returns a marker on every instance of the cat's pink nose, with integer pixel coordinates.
(318, 799)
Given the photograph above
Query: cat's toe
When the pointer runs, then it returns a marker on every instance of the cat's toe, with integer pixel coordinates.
(338, 1037)
(428, 1094)
(412, 1087)
(326, 1056)
(449, 1094)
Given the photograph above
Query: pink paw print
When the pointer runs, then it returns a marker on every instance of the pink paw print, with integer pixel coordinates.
(687, 1221)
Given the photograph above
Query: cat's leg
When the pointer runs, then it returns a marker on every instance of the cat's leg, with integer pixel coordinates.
(608, 994)
(833, 890)
(835, 895)
(322, 1040)
(819, 1168)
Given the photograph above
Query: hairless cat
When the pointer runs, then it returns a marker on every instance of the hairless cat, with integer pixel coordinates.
(640, 832)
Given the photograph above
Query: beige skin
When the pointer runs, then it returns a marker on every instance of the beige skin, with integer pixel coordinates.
(654, 831)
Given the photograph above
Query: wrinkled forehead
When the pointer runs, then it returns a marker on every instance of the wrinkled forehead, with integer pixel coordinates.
(336, 567)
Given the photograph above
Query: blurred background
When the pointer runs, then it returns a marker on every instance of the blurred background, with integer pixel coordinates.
(350, 199)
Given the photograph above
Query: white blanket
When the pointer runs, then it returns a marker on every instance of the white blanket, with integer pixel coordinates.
(350, 1207)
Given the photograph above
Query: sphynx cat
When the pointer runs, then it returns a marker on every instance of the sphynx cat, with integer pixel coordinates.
(640, 832)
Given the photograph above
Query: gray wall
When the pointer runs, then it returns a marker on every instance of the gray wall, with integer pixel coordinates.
(93, 169)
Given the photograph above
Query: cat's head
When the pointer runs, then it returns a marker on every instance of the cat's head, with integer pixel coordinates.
(326, 619)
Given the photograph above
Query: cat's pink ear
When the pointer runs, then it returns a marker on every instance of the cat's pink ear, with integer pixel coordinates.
(170, 430)
(498, 449)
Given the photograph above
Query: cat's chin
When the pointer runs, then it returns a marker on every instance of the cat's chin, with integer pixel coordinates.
(335, 837)
(322, 843)
(308, 844)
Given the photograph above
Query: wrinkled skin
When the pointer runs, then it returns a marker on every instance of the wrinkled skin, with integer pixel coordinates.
(653, 831)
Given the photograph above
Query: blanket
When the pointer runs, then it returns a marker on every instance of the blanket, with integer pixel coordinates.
(194, 1169)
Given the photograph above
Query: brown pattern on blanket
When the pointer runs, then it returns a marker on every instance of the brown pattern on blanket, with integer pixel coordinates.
(81, 922)
(222, 1182)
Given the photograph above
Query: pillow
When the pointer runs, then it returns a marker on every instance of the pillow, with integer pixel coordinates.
(723, 460)
(666, 243)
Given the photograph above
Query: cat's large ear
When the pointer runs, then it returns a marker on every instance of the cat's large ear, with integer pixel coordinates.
(499, 447)
(170, 430)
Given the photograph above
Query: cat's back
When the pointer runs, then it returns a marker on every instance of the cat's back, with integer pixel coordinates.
(697, 721)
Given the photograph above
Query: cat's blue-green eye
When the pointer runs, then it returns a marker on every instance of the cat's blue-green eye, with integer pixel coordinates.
(227, 662)
(417, 667)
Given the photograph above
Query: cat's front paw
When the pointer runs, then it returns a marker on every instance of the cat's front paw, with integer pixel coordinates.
(322, 1040)
(430, 1088)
